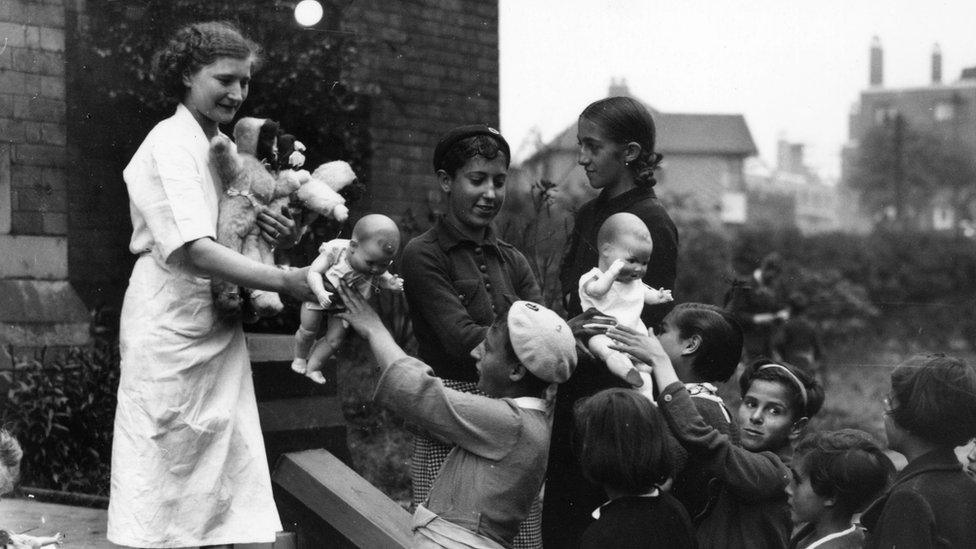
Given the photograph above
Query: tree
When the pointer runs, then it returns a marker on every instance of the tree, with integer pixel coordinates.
(900, 172)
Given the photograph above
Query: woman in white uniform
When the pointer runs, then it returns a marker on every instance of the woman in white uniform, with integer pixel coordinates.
(188, 460)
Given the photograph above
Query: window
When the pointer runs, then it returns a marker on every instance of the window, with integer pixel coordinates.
(942, 218)
(884, 114)
(944, 110)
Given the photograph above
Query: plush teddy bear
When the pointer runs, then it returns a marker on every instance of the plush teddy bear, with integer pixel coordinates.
(256, 174)
(248, 188)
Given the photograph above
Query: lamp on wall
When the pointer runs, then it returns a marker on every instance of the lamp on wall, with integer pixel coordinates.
(308, 12)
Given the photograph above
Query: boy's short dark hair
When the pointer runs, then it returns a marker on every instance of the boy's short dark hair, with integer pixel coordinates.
(620, 439)
(847, 465)
(788, 375)
(721, 338)
(487, 146)
(935, 398)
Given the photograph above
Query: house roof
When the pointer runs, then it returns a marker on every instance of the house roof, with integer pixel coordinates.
(679, 133)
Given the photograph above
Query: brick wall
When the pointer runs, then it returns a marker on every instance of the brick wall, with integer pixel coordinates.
(436, 66)
(430, 64)
(39, 307)
(32, 117)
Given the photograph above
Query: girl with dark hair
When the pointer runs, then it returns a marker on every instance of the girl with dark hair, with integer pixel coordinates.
(778, 401)
(620, 436)
(930, 410)
(458, 277)
(188, 461)
(617, 140)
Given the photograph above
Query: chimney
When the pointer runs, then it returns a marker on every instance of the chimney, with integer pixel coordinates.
(877, 63)
(936, 64)
(618, 88)
(789, 157)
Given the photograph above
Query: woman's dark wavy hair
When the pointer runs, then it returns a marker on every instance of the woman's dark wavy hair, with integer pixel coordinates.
(195, 46)
(623, 120)
(620, 441)
(458, 155)
(935, 398)
(815, 391)
(721, 338)
(847, 465)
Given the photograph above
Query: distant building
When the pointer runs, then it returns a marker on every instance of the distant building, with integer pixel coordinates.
(946, 110)
(704, 156)
(791, 195)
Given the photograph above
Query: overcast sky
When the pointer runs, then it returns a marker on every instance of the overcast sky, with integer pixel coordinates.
(793, 68)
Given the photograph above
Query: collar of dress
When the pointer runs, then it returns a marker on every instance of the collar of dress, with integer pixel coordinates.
(530, 403)
(829, 537)
(652, 494)
(701, 388)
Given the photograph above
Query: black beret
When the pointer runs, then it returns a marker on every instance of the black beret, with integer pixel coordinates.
(463, 132)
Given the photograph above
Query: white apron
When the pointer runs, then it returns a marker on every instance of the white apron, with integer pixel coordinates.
(188, 459)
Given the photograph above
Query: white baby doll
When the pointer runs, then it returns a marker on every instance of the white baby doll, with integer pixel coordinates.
(10, 456)
(615, 287)
(362, 262)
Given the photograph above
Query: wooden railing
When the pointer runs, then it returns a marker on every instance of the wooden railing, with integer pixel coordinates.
(319, 497)
(343, 503)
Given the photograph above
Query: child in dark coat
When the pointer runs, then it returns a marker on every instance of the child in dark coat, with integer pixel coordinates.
(704, 343)
(622, 448)
(930, 410)
(835, 475)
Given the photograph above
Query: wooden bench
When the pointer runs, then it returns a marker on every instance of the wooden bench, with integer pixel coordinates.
(328, 505)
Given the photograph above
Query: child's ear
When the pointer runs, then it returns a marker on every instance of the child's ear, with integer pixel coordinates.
(632, 151)
(691, 345)
(444, 180)
(797, 428)
(517, 372)
(829, 502)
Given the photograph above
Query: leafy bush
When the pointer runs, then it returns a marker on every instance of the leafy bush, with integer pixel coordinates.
(62, 413)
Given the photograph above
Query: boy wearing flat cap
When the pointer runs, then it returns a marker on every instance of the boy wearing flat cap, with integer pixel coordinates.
(487, 484)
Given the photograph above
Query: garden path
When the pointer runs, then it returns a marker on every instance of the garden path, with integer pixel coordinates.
(83, 527)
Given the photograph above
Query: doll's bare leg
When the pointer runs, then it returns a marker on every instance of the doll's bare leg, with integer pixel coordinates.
(618, 363)
(335, 332)
(311, 319)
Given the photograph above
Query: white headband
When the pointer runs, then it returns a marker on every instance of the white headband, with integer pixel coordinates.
(791, 375)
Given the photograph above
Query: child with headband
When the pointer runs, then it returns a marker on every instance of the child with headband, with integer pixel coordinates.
(777, 402)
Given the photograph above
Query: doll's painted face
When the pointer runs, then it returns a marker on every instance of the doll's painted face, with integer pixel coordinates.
(634, 252)
(371, 256)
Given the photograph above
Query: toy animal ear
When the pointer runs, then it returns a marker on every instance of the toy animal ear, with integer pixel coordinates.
(266, 149)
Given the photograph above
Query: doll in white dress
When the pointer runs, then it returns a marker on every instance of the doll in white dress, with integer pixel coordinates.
(362, 262)
(615, 287)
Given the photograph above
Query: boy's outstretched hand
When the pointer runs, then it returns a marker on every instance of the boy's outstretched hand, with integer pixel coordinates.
(359, 314)
(646, 348)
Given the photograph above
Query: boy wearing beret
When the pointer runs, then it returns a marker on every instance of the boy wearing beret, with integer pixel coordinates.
(487, 484)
